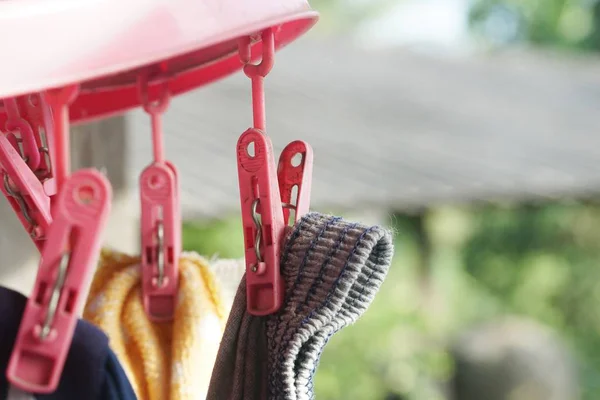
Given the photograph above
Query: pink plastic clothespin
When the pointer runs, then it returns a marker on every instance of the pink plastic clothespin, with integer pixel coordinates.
(66, 268)
(262, 231)
(21, 160)
(160, 218)
(267, 191)
(37, 112)
(267, 195)
(294, 174)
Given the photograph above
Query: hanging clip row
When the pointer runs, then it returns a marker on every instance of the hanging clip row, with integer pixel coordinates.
(268, 192)
(160, 216)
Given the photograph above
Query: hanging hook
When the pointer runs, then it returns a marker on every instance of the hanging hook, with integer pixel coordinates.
(155, 109)
(159, 105)
(257, 73)
(268, 55)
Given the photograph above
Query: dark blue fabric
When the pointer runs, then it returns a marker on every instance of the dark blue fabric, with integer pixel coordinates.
(116, 385)
(91, 371)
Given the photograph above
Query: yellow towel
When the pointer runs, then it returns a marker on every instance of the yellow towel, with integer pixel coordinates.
(164, 361)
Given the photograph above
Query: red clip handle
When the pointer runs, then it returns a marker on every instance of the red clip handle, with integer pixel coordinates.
(161, 239)
(66, 268)
(27, 196)
(262, 236)
(295, 171)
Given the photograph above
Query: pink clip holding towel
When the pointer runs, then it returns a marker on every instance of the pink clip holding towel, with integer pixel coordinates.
(160, 215)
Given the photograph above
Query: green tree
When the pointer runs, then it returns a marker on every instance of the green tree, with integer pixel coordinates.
(562, 23)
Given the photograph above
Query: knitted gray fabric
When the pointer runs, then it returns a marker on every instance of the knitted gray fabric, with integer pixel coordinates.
(332, 270)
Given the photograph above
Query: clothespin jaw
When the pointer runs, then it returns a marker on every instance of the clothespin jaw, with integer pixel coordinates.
(262, 232)
(161, 240)
(295, 171)
(68, 261)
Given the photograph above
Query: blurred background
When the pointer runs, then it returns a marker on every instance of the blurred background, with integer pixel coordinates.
(470, 128)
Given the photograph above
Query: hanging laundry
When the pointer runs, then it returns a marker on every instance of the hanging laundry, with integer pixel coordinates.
(164, 360)
(91, 370)
(332, 270)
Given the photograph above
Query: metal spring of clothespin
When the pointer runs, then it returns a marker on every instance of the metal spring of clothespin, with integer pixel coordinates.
(70, 251)
(160, 214)
(267, 191)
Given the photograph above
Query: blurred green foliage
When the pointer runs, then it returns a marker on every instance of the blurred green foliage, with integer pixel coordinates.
(565, 23)
(344, 16)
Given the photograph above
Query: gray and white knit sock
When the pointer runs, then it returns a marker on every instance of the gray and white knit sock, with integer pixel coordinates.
(332, 270)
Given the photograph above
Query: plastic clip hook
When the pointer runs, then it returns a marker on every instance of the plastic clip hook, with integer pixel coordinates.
(294, 174)
(24, 192)
(257, 73)
(160, 218)
(262, 233)
(66, 268)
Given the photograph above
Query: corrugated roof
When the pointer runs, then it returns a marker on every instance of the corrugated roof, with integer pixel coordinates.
(396, 129)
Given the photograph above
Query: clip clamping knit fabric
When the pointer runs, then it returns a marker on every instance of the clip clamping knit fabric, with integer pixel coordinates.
(332, 270)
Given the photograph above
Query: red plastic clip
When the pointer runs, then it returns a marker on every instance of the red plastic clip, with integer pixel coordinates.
(262, 232)
(160, 219)
(267, 191)
(25, 141)
(66, 268)
(295, 175)
(37, 113)
(24, 192)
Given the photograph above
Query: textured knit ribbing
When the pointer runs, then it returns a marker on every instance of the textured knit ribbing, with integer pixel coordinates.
(332, 270)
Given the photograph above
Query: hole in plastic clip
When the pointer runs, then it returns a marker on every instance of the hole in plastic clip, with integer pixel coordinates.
(85, 194)
(297, 160)
(251, 150)
(154, 182)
